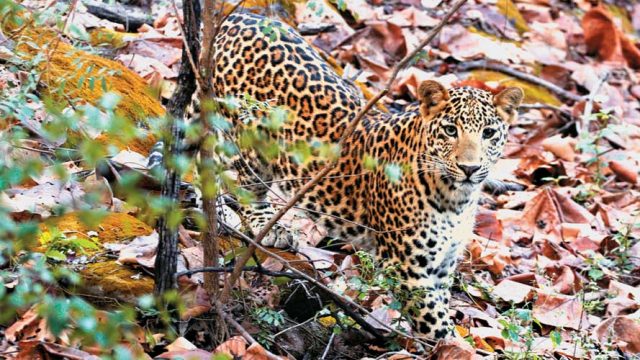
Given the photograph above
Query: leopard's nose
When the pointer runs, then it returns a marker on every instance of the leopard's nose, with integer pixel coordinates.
(469, 169)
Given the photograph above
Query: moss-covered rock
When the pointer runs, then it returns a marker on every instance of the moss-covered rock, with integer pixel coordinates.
(71, 74)
(108, 281)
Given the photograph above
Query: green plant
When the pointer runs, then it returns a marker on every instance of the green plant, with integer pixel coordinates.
(266, 319)
(518, 328)
(59, 245)
(592, 143)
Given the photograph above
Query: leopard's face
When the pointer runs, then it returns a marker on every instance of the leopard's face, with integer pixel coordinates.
(466, 134)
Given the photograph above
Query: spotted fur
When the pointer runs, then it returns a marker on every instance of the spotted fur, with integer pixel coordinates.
(446, 146)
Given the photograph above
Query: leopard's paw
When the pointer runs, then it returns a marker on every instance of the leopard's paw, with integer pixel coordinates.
(280, 237)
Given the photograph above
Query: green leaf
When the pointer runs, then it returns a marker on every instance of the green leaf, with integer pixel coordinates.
(218, 121)
(85, 243)
(109, 101)
(55, 255)
(78, 32)
(523, 314)
(393, 172)
(595, 273)
(369, 162)
(556, 338)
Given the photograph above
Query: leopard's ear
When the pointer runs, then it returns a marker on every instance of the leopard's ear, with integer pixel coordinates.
(507, 102)
(433, 96)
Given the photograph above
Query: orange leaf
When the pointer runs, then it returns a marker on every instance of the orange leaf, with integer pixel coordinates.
(601, 34)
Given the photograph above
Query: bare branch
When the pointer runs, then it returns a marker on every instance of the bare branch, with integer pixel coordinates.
(483, 64)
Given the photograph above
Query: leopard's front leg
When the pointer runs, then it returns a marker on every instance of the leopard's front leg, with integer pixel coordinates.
(430, 313)
(426, 264)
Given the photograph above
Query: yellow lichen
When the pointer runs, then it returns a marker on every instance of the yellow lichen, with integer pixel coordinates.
(511, 12)
(533, 93)
(112, 38)
(115, 227)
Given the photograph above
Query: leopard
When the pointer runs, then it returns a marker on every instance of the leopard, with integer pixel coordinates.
(443, 149)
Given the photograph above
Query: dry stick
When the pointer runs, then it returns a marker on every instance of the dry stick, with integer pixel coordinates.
(347, 132)
(588, 108)
(229, 319)
(483, 64)
(212, 24)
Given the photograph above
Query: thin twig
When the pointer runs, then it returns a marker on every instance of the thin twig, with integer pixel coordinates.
(331, 165)
(483, 64)
(255, 269)
(190, 56)
(326, 350)
(241, 330)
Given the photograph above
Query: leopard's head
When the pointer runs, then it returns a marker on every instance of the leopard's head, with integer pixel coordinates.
(467, 131)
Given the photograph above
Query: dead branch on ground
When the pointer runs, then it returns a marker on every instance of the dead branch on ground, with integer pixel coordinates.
(494, 66)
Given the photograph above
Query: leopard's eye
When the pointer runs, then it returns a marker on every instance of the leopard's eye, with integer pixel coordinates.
(451, 130)
(488, 133)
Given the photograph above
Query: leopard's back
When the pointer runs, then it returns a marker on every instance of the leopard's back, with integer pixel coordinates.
(269, 61)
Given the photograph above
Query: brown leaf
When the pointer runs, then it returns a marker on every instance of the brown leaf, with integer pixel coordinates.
(322, 259)
(454, 349)
(256, 352)
(626, 300)
(235, 347)
(630, 52)
(544, 214)
(561, 147)
(625, 170)
(621, 331)
(196, 354)
(41, 199)
(601, 34)
(581, 237)
(603, 37)
(487, 225)
(141, 250)
(564, 280)
(560, 311)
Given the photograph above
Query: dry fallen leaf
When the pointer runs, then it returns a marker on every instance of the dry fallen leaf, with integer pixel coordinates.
(625, 170)
(560, 311)
(235, 347)
(454, 349)
(562, 147)
(512, 291)
(622, 331)
(42, 199)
